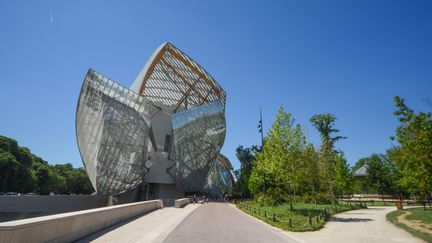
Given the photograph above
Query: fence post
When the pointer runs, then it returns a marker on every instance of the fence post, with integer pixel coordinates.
(310, 220)
(265, 213)
(317, 218)
(274, 218)
(290, 223)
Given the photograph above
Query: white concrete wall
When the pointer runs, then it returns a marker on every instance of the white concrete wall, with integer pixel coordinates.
(159, 162)
(181, 202)
(67, 227)
(51, 204)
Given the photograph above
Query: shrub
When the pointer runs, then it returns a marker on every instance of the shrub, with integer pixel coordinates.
(323, 198)
(273, 197)
(319, 198)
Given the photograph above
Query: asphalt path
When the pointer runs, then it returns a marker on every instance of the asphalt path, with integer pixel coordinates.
(222, 222)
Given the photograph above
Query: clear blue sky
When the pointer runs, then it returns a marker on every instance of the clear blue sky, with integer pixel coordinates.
(348, 58)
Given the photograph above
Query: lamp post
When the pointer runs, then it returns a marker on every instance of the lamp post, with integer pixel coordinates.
(260, 127)
(261, 130)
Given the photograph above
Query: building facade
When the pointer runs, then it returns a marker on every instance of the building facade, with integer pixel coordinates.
(163, 134)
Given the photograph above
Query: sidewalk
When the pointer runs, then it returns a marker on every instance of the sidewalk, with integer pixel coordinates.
(362, 226)
(151, 227)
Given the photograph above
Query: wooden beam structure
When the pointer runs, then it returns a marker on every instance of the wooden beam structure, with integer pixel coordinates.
(174, 63)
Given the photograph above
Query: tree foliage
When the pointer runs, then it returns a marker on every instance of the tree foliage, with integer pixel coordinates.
(343, 177)
(289, 165)
(414, 155)
(325, 124)
(22, 171)
(381, 174)
(246, 157)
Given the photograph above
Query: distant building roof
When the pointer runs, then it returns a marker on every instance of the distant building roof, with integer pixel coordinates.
(362, 171)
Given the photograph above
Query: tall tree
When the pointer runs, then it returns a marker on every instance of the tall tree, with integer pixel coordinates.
(311, 178)
(280, 165)
(343, 176)
(414, 159)
(325, 124)
(246, 157)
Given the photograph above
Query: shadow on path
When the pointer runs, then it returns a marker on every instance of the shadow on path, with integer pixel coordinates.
(349, 220)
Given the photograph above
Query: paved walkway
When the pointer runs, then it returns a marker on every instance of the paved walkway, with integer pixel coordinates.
(220, 222)
(151, 227)
(364, 225)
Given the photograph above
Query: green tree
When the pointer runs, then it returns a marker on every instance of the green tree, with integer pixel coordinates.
(414, 158)
(79, 183)
(280, 164)
(8, 169)
(246, 157)
(343, 177)
(22, 171)
(75, 180)
(25, 179)
(381, 173)
(325, 124)
(311, 178)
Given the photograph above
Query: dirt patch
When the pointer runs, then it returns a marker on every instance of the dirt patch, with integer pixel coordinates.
(414, 224)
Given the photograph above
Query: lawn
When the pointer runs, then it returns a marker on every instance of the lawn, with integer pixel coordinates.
(418, 214)
(302, 216)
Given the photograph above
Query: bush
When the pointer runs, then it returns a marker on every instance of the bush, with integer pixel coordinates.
(273, 197)
(319, 198)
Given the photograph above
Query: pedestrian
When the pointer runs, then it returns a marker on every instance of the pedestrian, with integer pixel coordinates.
(204, 198)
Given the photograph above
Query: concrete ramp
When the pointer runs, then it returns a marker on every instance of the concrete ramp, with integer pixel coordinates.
(67, 227)
(151, 227)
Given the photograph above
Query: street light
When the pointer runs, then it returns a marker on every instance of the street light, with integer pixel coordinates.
(260, 127)
(261, 130)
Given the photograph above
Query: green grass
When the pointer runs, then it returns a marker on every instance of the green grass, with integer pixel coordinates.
(424, 216)
(304, 216)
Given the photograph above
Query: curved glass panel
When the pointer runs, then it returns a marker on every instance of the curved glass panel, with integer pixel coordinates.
(199, 134)
(112, 126)
(220, 179)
